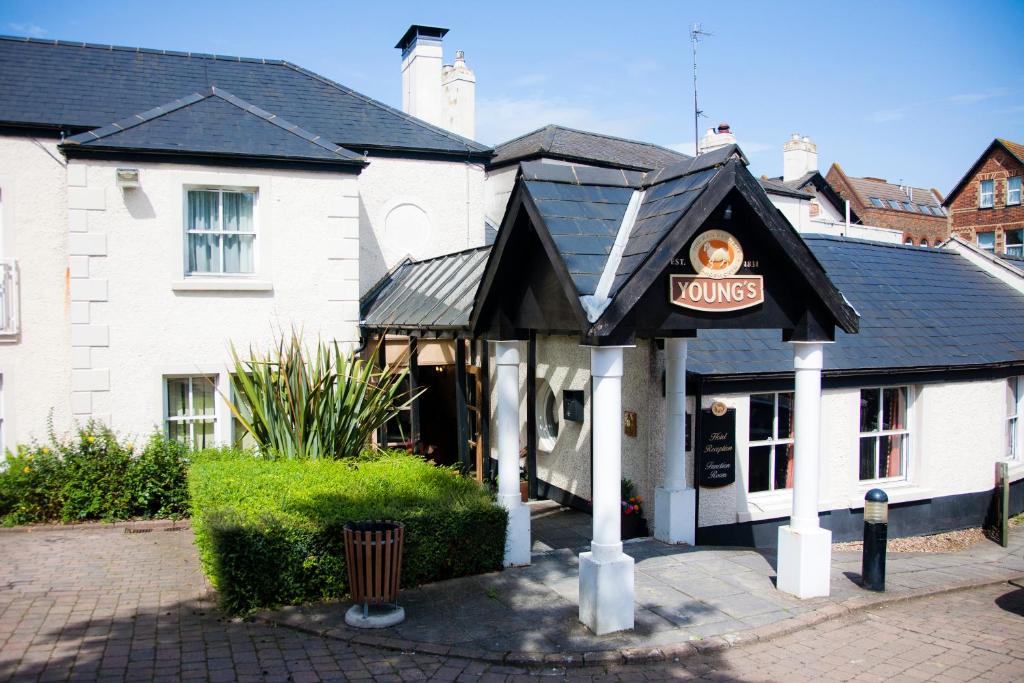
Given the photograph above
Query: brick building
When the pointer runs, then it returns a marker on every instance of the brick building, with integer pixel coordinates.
(985, 206)
(915, 211)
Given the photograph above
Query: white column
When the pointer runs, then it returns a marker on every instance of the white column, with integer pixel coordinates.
(606, 573)
(517, 538)
(675, 505)
(805, 549)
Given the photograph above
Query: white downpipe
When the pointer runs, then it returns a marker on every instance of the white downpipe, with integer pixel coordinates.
(807, 363)
(606, 370)
(507, 360)
(675, 414)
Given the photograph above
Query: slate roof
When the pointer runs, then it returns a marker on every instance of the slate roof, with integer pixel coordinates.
(79, 86)
(569, 144)
(436, 293)
(919, 308)
(212, 122)
(583, 208)
(787, 189)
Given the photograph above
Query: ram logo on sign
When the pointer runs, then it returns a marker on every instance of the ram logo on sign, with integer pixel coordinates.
(716, 256)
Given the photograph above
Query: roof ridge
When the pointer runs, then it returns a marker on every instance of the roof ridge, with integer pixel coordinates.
(398, 112)
(616, 137)
(524, 135)
(146, 50)
(823, 236)
(410, 262)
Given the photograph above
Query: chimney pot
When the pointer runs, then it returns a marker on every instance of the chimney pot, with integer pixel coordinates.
(799, 157)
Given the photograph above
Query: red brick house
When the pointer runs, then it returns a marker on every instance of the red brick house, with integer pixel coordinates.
(915, 211)
(985, 206)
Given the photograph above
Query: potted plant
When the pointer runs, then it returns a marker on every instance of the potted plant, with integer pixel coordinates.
(524, 485)
(633, 523)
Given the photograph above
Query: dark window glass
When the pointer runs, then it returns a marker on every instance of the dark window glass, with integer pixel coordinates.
(869, 410)
(894, 408)
(760, 468)
(785, 416)
(867, 457)
(762, 414)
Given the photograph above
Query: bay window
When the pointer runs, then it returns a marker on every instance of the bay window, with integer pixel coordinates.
(191, 416)
(220, 232)
(884, 433)
(770, 443)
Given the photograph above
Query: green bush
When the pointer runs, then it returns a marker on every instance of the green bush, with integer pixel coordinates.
(93, 475)
(270, 532)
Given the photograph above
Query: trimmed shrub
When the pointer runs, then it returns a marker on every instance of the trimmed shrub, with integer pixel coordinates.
(270, 532)
(93, 475)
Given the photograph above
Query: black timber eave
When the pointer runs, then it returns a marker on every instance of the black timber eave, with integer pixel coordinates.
(520, 202)
(822, 185)
(418, 154)
(857, 377)
(212, 159)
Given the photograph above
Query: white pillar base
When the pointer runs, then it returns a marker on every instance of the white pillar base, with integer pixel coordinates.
(517, 536)
(606, 593)
(805, 562)
(675, 515)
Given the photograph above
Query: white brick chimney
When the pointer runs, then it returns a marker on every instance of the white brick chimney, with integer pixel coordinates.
(799, 157)
(441, 94)
(459, 83)
(716, 138)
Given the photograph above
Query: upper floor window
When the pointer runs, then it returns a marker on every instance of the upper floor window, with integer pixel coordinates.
(894, 204)
(770, 453)
(1014, 242)
(987, 241)
(924, 242)
(1013, 396)
(923, 209)
(909, 241)
(908, 206)
(1013, 190)
(937, 210)
(875, 201)
(884, 433)
(987, 194)
(221, 232)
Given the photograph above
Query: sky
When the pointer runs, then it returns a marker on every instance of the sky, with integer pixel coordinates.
(908, 91)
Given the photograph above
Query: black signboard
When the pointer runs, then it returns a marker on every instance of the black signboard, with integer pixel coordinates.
(716, 448)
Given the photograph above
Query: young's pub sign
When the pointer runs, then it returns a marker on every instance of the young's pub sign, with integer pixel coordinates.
(717, 257)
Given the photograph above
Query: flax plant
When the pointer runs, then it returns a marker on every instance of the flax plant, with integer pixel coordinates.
(300, 403)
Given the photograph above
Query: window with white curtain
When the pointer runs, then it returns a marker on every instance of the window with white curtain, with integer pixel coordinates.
(770, 451)
(220, 232)
(1013, 395)
(191, 410)
(1013, 190)
(884, 433)
(987, 194)
(987, 241)
(1014, 242)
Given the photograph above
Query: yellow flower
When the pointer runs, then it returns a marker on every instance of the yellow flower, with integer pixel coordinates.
(130, 446)
(46, 451)
(27, 469)
(91, 439)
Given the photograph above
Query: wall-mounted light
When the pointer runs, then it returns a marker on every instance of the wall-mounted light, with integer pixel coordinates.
(728, 212)
(127, 177)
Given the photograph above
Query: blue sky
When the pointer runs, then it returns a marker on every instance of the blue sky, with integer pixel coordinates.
(908, 91)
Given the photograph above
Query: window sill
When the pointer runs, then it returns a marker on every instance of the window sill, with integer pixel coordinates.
(1016, 469)
(221, 285)
(898, 492)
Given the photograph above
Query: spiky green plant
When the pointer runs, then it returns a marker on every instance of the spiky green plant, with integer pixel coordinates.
(301, 403)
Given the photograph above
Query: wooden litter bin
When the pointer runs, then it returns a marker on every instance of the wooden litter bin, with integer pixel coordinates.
(373, 553)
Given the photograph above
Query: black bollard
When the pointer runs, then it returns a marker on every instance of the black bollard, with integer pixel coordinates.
(876, 533)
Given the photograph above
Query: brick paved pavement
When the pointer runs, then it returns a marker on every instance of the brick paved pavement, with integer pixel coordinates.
(106, 605)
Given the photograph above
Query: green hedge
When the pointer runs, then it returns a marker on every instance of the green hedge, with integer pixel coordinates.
(93, 475)
(270, 532)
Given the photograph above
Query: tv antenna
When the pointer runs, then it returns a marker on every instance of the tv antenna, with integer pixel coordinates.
(695, 35)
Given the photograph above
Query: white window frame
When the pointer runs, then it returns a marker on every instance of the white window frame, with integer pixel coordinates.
(983, 247)
(220, 190)
(547, 433)
(1009, 197)
(982, 194)
(1013, 248)
(1014, 425)
(877, 434)
(773, 441)
(191, 418)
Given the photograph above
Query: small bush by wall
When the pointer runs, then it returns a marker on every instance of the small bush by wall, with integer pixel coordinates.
(270, 532)
(93, 475)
